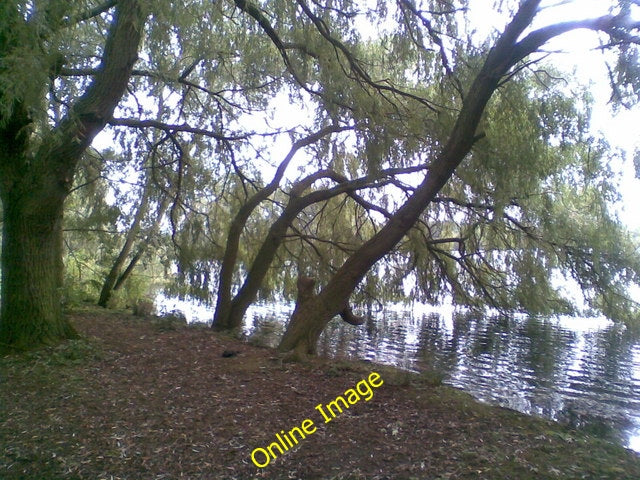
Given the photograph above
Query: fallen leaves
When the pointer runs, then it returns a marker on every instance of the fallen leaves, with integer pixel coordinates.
(134, 402)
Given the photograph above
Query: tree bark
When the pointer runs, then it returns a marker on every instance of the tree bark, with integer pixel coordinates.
(229, 316)
(34, 186)
(32, 274)
(162, 209)
(308, 322)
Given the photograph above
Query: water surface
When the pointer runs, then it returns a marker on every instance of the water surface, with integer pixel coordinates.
(578, 371)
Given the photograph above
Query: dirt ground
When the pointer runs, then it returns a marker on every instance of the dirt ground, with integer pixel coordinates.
(148, 399)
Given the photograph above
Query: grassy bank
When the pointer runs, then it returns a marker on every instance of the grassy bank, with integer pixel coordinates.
(136, 399)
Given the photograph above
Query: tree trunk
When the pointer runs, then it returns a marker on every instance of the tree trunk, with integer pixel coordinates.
(225, 308)
(34, 185)
(116, 268)
(230, 318)
(162, 209)
(308, 322)
(32, 274)
(230, 312)
(225, 278)
(305, 306)
(310, 308)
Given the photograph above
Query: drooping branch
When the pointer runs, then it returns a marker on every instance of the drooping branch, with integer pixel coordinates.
(352, 319)
(180, 79)
(435, 36)
(175, 128)
(616, 26)
(357, 70)
(306, 325)
(91, 13)
(345, 185)
(253, 11)
(312, 239)
(231, 316)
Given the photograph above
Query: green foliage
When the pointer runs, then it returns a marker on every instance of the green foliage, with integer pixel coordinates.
(532, 202)
(533, 199)
(24, 64)
(94, 232)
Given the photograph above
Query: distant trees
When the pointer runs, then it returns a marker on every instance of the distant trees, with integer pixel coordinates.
(270, 145)
(134, 247)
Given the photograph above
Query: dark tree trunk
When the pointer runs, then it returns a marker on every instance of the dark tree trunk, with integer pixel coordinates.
(32, 273)
(305, 305)
(229, 317)
(221, 319)
(310, 307)
(162, 209)
(34, 186)
(130, 267)
(310, 319)
(229, 313)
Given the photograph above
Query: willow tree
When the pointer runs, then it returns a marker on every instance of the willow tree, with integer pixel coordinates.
(40, 148)
(489, 235)
(66, 72)
(415, 98)
(508, 53)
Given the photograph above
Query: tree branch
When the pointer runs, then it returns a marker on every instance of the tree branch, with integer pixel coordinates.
(62, 147)
(94, 12)
(354, 64)
(174, 128)
(616, 26)
(435, 36)
(253, 11)
(346, 185)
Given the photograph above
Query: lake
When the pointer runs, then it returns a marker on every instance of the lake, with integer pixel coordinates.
(583, 372)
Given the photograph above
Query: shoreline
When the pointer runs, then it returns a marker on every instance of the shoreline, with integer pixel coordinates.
(137, 399)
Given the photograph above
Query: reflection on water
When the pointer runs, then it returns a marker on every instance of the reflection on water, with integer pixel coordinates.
(581, 372)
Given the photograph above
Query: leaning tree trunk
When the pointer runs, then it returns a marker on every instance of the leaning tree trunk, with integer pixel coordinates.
(130, 238)
(311, 308)
(142, 248)
(229, 309)
(311, 317)
(231, 317)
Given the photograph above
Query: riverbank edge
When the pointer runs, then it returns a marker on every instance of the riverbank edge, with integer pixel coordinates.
(58, 398)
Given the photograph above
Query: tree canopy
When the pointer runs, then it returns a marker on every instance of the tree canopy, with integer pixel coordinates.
(383, 149)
